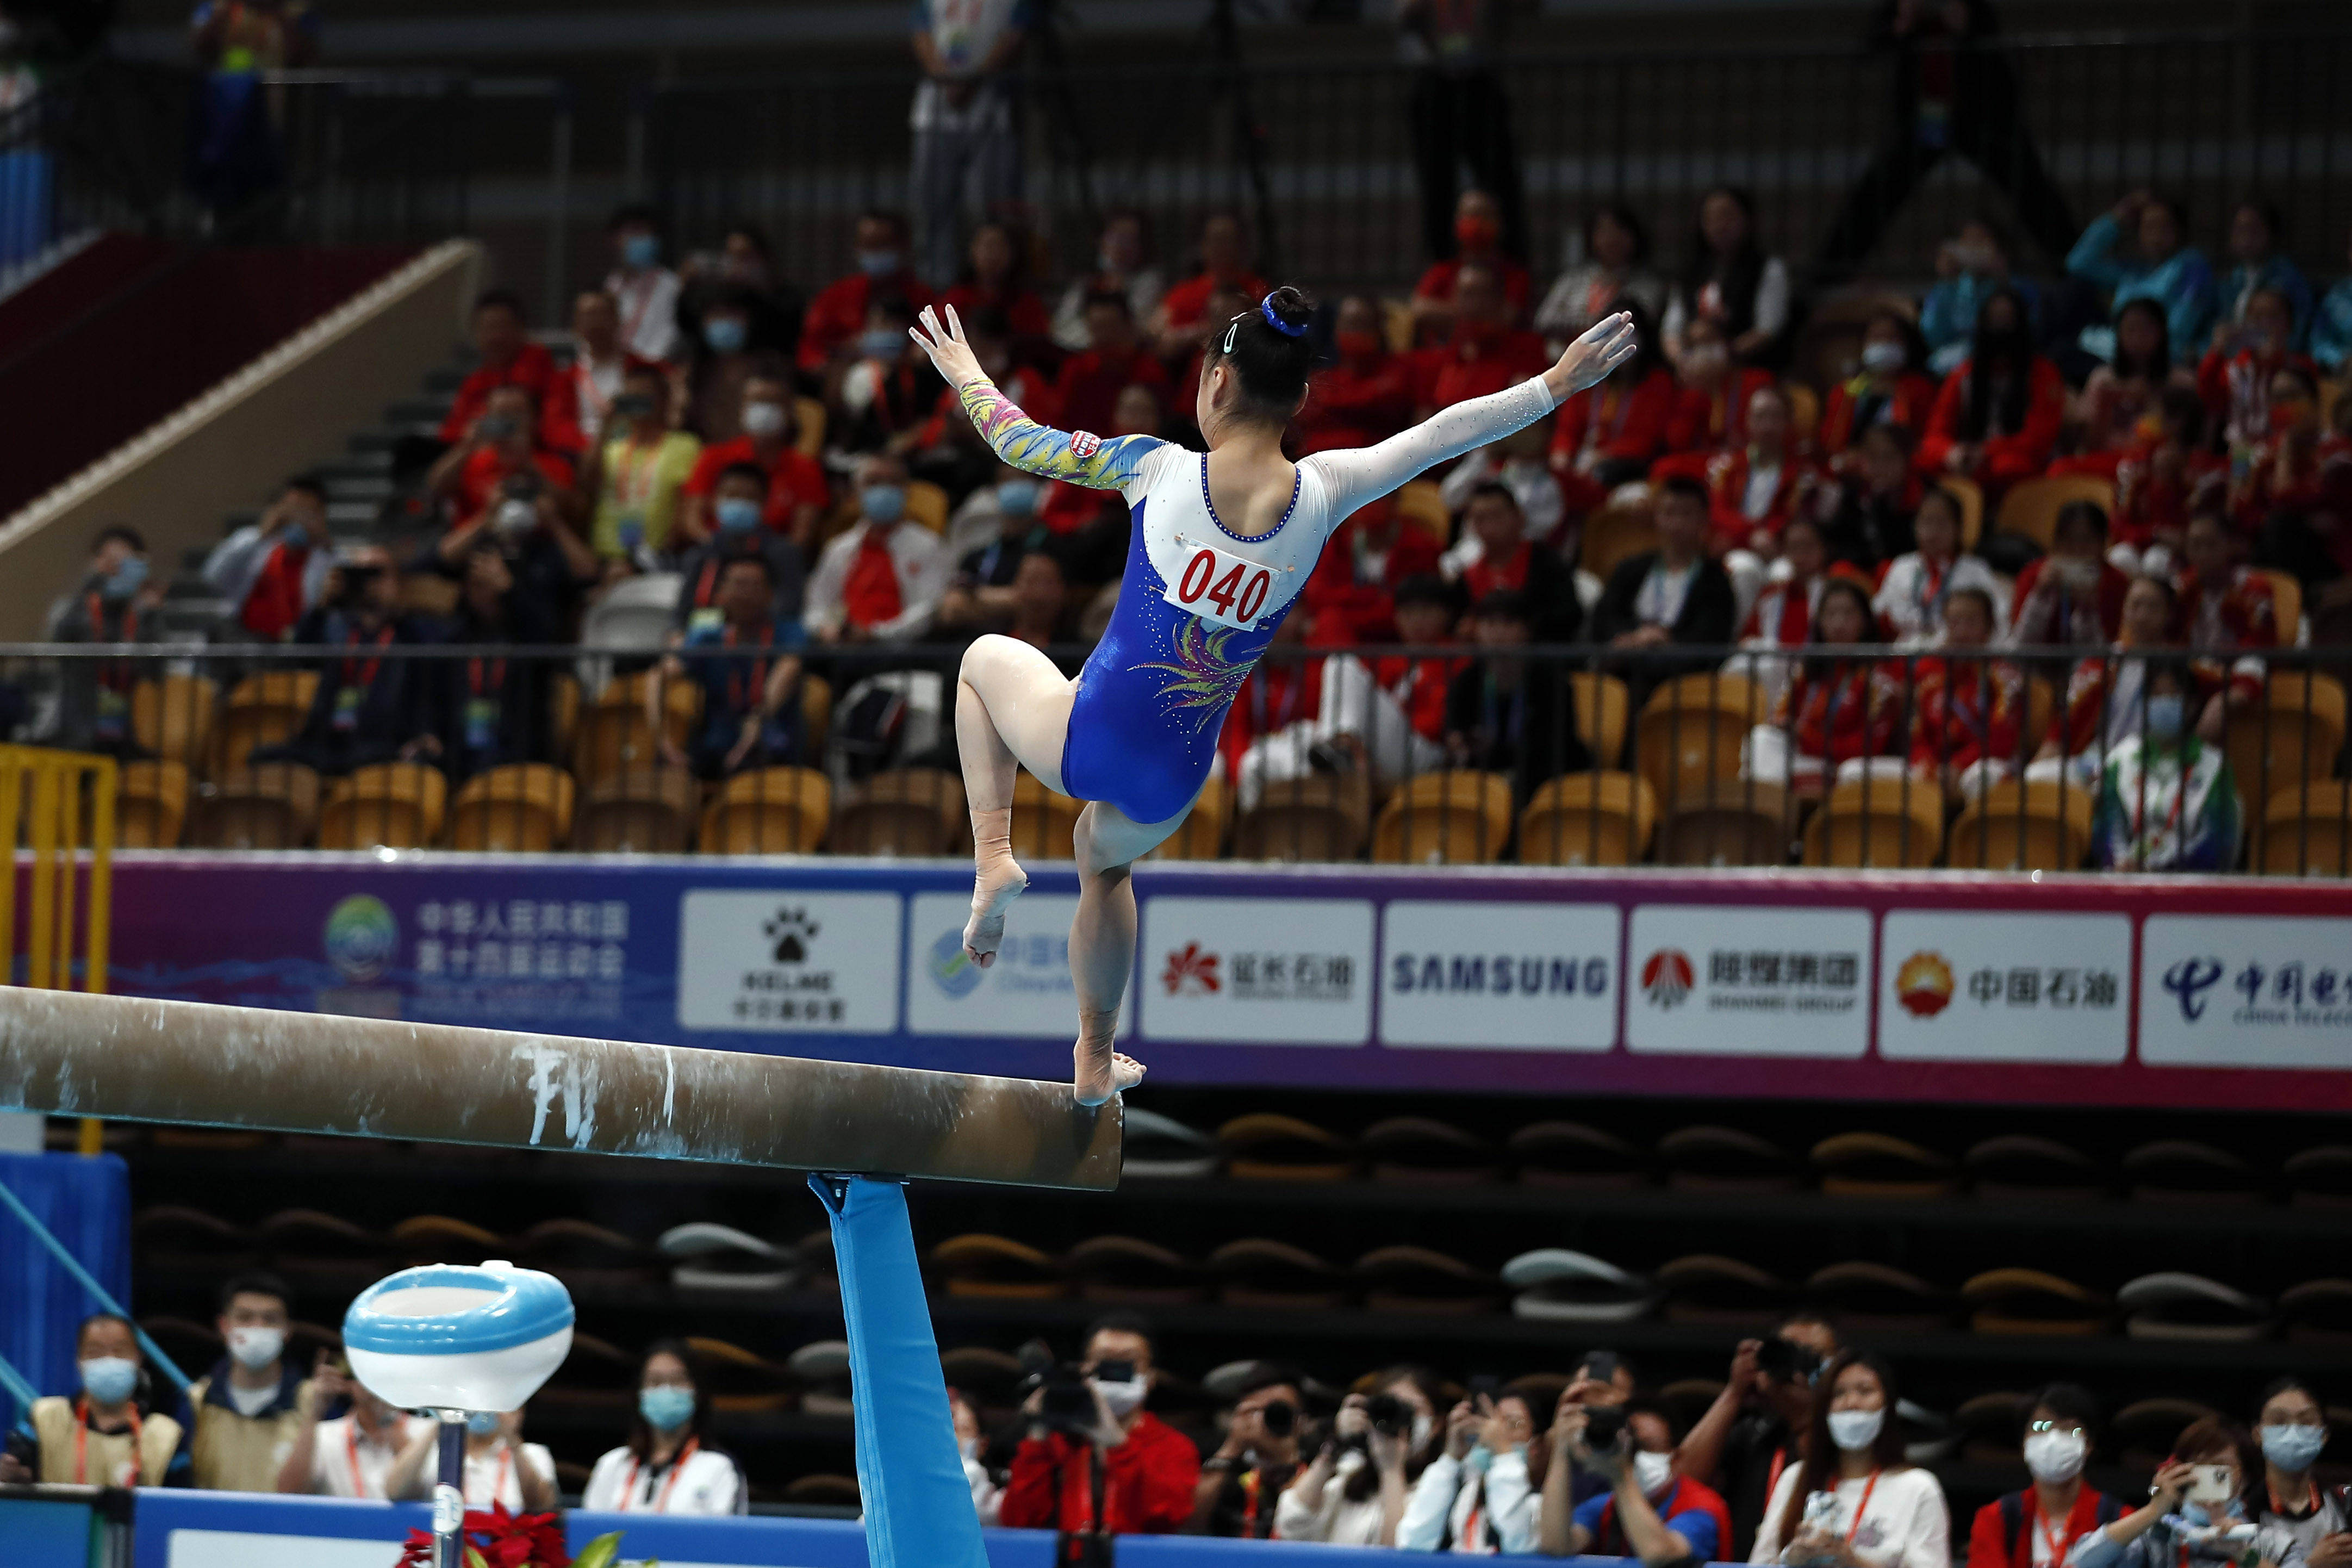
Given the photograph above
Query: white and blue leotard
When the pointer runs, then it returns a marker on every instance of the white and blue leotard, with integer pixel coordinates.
(1198, 604)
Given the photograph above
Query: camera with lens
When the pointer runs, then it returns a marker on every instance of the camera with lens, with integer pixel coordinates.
(1788, 1361)
(357, 578)
(1067, 1403)
(1390, 1416)
(1602, 1423)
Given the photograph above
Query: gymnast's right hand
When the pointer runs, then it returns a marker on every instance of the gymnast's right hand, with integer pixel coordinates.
(1606, 344)
(945, 345)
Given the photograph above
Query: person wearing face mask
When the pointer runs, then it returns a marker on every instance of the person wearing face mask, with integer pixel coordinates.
(1367, 397)
(1711, 406)
(1750, 1436)
(1123, 267)
(1353, 1492)
(881, 579)
(738, 506)
(884, 387)
(1647, 1509)
(1609, 270)
(724, 352)
(668, 1465)
(2234, 379)
(972, 1444)
(500, 1467)
(1887, 387)
(798, 493)
(506, 357)
(837, 315)
(2296, 1515)
(638, 477)
(105, 1436)
(1477, 242)
(1856, 1501)
(2185, 1519)
(1143, 1470)
(2161, 265)
(1483, 352)
(239, 1421)
(115, 602)
(981, 597)
(1086, 389)
(1477, 1495)
(275, 570)
(2107, 693)
(741, 269)
(1998, 414)
(1915, 588)
(2284, 476)
(2074, 596)
(1968, 267)
(1610, 434)
(2168, 801)
(1254, 1465)
(1183, 319)
(354, 1454)
(645, 291)
(2039, 1526)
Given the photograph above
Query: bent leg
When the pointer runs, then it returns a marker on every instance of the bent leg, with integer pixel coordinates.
(1013, 711)
(1102, 943)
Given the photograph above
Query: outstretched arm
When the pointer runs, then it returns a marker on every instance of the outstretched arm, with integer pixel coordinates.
(1099, 463)
(1356, 476)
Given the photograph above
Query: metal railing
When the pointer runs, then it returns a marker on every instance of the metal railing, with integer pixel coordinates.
(1558, 756)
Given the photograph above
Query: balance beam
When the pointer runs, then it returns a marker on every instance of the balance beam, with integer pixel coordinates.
(127, 1058)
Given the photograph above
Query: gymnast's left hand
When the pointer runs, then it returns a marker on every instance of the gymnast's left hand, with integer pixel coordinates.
(945, 345)
(1587, 362)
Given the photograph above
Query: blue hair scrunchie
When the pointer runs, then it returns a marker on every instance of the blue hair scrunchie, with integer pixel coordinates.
(1266, 309)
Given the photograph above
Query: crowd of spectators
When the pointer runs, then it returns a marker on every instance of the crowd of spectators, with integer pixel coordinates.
(1807, 1458)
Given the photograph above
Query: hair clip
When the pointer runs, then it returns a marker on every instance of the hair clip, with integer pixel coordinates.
(1266, 309)
(1232, 328)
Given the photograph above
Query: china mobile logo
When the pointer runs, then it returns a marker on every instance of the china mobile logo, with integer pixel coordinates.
(1192, 970)
(2188, 980)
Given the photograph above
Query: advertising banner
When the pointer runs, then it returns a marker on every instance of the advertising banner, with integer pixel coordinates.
(2074, 990)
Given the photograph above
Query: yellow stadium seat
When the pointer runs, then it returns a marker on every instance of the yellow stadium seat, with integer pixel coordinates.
(1421, 503)
(1971, 495)
(816, 713)
(1396, 325)
(1613, 534)
(808, 426)
(562, 711)
(1691, 730)
(1604, 707)
(1320, 817)
(904, 810)
(1589, 819)
(151, 805)
(2022, 826)
(2032, 506)
(264, 709)
(393, 805)
(644, 811)
(1878, 823)
(2292, 735)
(172, 717)
(614, 734)
(1804, 408)
(272, 806)
(1202, 836)
(2307, 831)
(2286, 600)
(769, 811)
(1043, 823)
(1728, 822)
(1455, 817)
(523, 808)
(928, 504)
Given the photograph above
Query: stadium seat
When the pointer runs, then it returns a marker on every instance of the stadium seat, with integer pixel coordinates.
(1202, 836)
(816, 713)
(633, 614)
(1456, 818)
(1324, 817)
(263, 708)
(1589, 819)
(272, 806)
(2307, 831)
(2286, 600)
(2020, 826)
(1421, 503)
(1728, 822)
(613, 736)
(562, 711)
(151, 805)
(1396, 325)
(1878, 823)
(1616, 531)
(1043, 821)
(769, 811)
(1970, 496)
(428, 594)
(644, 811)
(808, 426)
(523, 807)
(1805, 409)
(904, 810)
(1603, 708)
(2032, 506)
(1691, 731)
(394, 805)
(928, 504)
(172, 717)
(2292, 734)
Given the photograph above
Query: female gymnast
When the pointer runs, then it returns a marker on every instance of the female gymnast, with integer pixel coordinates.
(1222, 544)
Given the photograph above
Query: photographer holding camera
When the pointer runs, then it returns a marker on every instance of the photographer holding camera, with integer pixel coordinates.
(1094, 1461)
(1239, 1482)
(1353, 1494)
(1647, 1510)
(368, 709)
(1748, 1436)
(522, 502)
(2196, 1513)
(1477, 1496)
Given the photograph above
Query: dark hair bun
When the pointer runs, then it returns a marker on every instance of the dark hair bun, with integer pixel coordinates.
(1287, 306)
(1270, 352)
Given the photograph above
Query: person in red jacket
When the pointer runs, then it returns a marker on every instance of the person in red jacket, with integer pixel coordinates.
(1365, 398)
(2074, 596)
(1477, 242)
(1965, 711)
(1754, 490)
(994, 274)
(1610, 434)
(1350, 597)
(1835, 711)
(1184, 315)
(837, 315)
(2037, 1527)
(2234, 378)
(1997, 418)
(509, 358)
(2163, 480)
(1887, 387)
(798, 491)
(1484, 354)
(1089, 388)
(2228, 612)
(1148, 1471)
(1711, 410)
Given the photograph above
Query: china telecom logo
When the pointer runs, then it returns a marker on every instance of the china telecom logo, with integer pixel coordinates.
(1924, 985)
(1667, 978)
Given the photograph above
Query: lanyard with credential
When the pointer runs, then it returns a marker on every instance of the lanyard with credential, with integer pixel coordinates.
(676, 1468)
(1859, 1509)
(81, 1442)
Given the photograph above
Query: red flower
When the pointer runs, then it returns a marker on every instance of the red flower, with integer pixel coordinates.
(499, 1539)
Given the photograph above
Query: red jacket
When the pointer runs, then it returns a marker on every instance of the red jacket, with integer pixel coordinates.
(273, 602)
(1355, 406)
(1086, 393)
(534, 369)
(1344, 606)
(1726, 494)
(1849, 711)
(1437, 283)
(1688, 1497)
(1473, 363)
(2150, 497)
(2236, 391)
(794, 478)
(1704, 421)
(1276, 695)
(1913, 399)
(1148, 1482)
(838, 314)
(1024, 311)
(1991, 1546)
(2009, 455)
(1419, 686)
(1185, 302)
(1613, 424)
(2028, 625)
(1964, 711)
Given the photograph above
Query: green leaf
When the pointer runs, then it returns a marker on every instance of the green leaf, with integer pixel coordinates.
(599, 1553)
(474, 1559)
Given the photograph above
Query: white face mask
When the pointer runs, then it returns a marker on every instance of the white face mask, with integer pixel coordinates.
(968, 1446)
(1422, 1425)
(763, 418)
(1652, 1472)
(1123, 1398)
(2056, 1457)
(255, 1347)
(1856, 1429)
(1882, 355)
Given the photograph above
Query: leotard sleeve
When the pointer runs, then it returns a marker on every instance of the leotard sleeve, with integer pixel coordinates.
(1097, 462)
(1354, 476)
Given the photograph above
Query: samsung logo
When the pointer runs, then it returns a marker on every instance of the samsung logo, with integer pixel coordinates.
(1498, 975)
